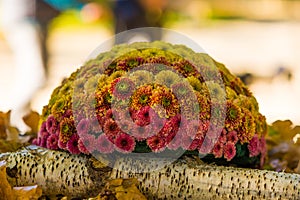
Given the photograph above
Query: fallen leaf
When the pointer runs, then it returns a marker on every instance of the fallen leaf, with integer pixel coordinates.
(283, 151)
(28, 192)
(16, 193)
(4, 122)
(32, 120)
(6, 192)
(121, 189)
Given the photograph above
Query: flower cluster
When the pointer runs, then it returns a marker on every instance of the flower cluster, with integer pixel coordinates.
(145, 97)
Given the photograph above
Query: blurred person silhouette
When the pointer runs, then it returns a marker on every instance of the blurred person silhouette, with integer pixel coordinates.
(25, 28)
(131, 14)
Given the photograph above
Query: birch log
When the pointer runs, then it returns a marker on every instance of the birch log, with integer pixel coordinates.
(77, 176)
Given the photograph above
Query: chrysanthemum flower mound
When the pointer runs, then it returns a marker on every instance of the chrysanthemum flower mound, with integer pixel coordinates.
(154, 97)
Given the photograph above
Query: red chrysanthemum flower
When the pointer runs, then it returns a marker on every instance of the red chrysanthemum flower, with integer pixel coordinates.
(232, 137)
(229, 151)
(104, 145)
(218, 150)
(111, 128)
(167, 129)
(156, 143)
(72, 144)
(142, 116)
(254, 146)
(82, 147)
(195, 144)
(62, 145)
(52, 142)
(125, 143)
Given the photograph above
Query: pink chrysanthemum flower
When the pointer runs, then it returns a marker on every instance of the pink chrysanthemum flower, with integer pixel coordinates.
(218, 150)
(193, 128)
(175, 143)
(156, 122)
(72, 144)
(254, 146)
(95, 125)
(35, 141)
(156, 143)
(141, 132)
(52, 142)
(232, 137)
(223, 136)
(89, 141)
(104, 145)
(82, 147)
(43, 136)
(83, 127)
(229, 151)
(214, 133)
(51, 125)
(125, 143)
(206, 146)
(43, 127)
(186, 141)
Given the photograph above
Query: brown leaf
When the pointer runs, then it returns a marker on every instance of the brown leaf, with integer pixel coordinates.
(121, 189)
(283, 152)
(28, 192)
(4, 123)
(284, 128)
(32, 120)
(9, 193)
(6, 192)
(9, 146)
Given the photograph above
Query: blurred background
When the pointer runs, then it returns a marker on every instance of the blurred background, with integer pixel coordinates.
(256, 39)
